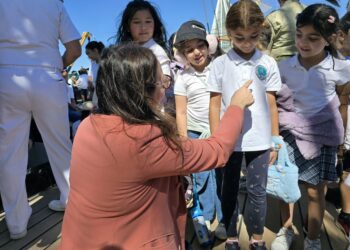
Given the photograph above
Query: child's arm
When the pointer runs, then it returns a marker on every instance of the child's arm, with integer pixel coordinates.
(181, 114)
(343, 92)
(271, 98)
(214, 111)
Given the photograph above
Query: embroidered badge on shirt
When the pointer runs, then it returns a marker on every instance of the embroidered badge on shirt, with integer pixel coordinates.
(261, 72)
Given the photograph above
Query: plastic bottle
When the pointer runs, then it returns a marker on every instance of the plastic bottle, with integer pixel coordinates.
(199, 224)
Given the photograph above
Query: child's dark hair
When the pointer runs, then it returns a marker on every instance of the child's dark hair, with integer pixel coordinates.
(124, 35)
(83, 71)
(95, 45)
(345, 23)
(244, 14)
(324, 19)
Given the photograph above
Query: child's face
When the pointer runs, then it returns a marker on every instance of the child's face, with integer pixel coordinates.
(92, 54)
(309, 42)
(141, 26)
(245, 40)
(196, 53)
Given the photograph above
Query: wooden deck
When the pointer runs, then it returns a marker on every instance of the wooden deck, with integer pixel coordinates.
(45, 226)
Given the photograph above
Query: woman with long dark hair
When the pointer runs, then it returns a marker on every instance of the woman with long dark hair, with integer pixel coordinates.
(126, 159)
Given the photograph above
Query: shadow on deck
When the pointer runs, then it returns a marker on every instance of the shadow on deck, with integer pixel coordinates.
(45, 227)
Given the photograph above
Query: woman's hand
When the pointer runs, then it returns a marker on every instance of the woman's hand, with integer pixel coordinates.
(243, 97)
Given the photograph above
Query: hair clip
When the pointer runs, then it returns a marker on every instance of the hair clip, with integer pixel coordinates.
(331, 19)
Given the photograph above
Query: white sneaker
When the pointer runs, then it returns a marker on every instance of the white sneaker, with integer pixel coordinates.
(56, 205)
(283, 240)
(312, 244)
(18, 235)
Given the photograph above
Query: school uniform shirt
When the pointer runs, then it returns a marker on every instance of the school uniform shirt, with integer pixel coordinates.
(193, 85)
(31, 44)
(83, 81)
(161, 55)
(313, 89)
(228, 73)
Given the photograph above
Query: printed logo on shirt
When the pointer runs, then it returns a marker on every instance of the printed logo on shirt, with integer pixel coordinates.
(261, 72)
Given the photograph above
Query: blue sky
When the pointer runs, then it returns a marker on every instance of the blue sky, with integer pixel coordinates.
(101, 17)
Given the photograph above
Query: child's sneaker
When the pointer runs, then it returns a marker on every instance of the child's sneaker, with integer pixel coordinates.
(283, 240)
(232, 245)
(257, 245)
(312, 244)
(344, 220)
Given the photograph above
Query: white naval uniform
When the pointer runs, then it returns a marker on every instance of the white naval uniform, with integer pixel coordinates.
(31, 84)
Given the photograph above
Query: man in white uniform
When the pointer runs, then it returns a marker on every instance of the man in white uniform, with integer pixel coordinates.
(31, 85)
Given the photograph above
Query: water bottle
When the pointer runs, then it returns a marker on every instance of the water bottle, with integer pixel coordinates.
(199, 224)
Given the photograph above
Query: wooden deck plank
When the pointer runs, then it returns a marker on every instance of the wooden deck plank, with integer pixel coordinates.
(45, 225)
(37, 202)
(40, 213)
(34, 219)
(54, 245)
(35, 232)
(335, 233)
(47, 239)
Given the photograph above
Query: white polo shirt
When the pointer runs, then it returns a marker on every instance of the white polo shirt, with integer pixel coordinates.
(30, 32)
(161, 55)
(228, 73)
(83, 81)
(314, 88)
(193, 85)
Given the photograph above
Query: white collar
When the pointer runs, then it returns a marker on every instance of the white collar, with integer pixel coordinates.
(326, 63)
(239, 60)
(149, 43)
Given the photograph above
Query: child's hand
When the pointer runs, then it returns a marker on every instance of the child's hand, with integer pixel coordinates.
(273, 157)
(243, 96)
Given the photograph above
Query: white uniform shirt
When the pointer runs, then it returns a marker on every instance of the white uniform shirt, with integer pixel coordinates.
(82, 81)
(162, 57)
(34, 41)
(193, 85)
(314, 88)
(228, 73)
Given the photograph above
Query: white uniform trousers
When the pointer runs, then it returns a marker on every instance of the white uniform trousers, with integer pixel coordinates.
(27, 92)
